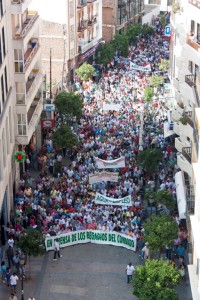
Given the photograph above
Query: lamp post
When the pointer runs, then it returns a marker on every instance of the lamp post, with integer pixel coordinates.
(22, 260)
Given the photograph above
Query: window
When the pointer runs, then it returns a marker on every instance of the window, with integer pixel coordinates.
(192, 27)
(21, 124)
(10, 125)
(1, 59)
(4, 43)
(198, 31)
(1, 8)
(18, 61)
(72, 33)
(7, 136)
(71, 9)
(4, 148)
(20, 92)
(6, 80)
(2, 89)
(190, 66)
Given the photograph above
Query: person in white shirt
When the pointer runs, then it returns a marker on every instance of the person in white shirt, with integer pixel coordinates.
(13, 282)
(56, 249)
(11, 242)
(129, 272)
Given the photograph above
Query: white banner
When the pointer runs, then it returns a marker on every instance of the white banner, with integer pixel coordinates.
(92, 236)
(101, 199)
(133, 66)
(110, 164)
(103, 176)
(115, 107)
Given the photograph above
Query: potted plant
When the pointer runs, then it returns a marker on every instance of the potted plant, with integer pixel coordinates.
(183, 120)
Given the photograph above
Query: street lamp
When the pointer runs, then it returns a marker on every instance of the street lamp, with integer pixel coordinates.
(22, 260)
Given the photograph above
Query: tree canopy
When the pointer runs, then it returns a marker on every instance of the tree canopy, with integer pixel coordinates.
(69, 104)
(164, 65)
(120, 43)
(32, 243)
(150, 159)
(105, 53)
(163, 197)
(156, 280)
(160, 231)
(63, 137)
(156, 80)
(148, 93)
(85, 71)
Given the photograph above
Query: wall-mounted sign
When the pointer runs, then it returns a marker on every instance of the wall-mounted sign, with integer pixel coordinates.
(47, 123)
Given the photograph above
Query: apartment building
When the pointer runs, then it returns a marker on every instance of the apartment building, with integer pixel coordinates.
(118, 14)
(185, 76)
(28, 77)
(7, 111)
(73, 35)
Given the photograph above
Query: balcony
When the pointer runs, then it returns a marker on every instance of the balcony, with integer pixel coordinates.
(33, 85)
(32, 16)
(189, 117)
(30, 54)
(176, 128)
(186, 130)
(92, 21)
(91, 1)
(34, 113)
(195, 3)
(178, 144)
(187, 153)
(194, 83)
(184, 164)
(121, 3)
(82, 25)
(19, 6)
(193, 44)
(81, 3)
(190, 199)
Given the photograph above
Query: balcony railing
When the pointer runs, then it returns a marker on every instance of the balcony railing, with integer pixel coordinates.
(32, 84)
(190, 198)
(189, 117)
(192, 81)
(193, 44)
(81, 3)
(92, 21)
(30, 53)
(17, 1)
(34, 111)
(187, 153)
(121, 4)
(91, 1)
(82, 25)
(196, 3)
(27, 25)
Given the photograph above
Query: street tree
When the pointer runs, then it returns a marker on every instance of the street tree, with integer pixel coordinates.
(163, 21)
(156, 279)
(85, 71)
(156, 80)
(164, 65)
(163, 197)
(160, 231)
(148, 94)
(150, 158)
(63, 137)
(132, 32)
(147, 29)
(120, 43)
(69, 104)
(105, 53)
(31, 243)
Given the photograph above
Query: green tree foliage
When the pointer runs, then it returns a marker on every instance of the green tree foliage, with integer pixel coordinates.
(132, 32)
(163, 21)
(156, 280)
(147, 29)
(156, 80)
(120, 42)
(164, 65)
(160, 231)
(31, 244)
(69, 104)
(63, 137)
(150, 159)
(148, 93)
(85, 71)
(105, 53)
(163, 197)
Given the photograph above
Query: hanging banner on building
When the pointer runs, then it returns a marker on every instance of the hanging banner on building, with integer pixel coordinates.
(102, 199)
(47, 123)
(110, 164)
(103, 176)
(133, 66)
(115, 107)
(92, 236)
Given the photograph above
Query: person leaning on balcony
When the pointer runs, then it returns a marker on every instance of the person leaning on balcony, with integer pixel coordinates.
(192, 37)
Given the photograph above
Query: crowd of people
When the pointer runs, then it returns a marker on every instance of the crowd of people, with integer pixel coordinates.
(66, 203)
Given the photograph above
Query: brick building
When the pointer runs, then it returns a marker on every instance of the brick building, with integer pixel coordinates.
(118, 14)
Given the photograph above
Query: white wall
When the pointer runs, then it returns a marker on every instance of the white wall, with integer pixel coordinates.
(148, 17)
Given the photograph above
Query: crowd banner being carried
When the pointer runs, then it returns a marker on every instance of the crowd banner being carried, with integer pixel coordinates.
(92, 236)
(103, 176)
(102, 199)
(110, 164)
(115, 107)
(133, 66)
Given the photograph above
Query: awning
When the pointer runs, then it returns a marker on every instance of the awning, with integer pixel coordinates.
(168, 129)
(181, 194)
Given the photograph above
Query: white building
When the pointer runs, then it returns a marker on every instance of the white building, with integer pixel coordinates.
(72, 33)
(185, 76)
(7, 111)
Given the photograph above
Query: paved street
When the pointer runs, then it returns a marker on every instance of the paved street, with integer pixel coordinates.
(87, 271)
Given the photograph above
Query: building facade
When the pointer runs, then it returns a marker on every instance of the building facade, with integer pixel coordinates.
(7, 112)
(118, 14)
(185, 76)
(72, 34)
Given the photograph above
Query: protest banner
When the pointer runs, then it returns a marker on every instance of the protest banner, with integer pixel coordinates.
(110, 164)
(103, 176)
(115, 107)
(102, 199)
(92, 236)
(133, 66)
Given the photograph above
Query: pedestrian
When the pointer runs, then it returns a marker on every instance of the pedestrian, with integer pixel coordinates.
(10, 254)
(140, 245)
(56, 249)
(16, 262)
(8, 275)
(145, 251)
(13, 297)
(129, 272)
(182, 272)
(3, 271)
(31, 298)
(13, 282)
(180, 251)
